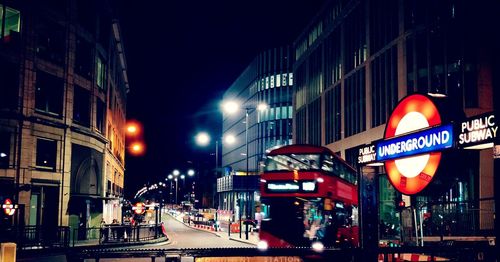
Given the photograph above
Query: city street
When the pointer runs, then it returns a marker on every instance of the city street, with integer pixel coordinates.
(182, 236)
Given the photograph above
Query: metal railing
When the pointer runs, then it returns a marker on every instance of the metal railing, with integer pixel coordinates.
(443, 253)
(37, 236)
(116, 234)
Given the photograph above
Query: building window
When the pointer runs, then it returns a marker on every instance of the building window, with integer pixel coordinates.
(4, 150)
(384, 86)
(100, 68)
(50, 41)
(12, 18)
(333, 61)
(300, 122)
(355, 39)
(383, 23)
(332, 115)
(9, 75)
(46, 152)
(314, 122)
(83, 58)
(354, 105)
(49, 94)
(100, 106)
(81, 106)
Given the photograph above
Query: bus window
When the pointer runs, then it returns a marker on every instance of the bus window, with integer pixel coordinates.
(292, 162)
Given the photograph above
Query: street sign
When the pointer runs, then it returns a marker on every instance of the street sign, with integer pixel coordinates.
(139, 208)
(8, 207)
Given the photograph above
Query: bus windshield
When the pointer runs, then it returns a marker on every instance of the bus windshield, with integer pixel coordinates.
(292, 162)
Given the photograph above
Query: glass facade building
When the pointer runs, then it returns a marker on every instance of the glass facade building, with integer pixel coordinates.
(357, 59)
(267, 80)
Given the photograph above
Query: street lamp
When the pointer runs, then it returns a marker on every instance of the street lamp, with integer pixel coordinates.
(231, 107)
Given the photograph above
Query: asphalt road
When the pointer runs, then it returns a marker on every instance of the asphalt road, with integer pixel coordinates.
(182, 236)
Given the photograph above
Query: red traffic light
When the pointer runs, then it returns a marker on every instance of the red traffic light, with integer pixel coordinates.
(401, 203)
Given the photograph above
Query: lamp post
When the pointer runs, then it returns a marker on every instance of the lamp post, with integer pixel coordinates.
(232, 107)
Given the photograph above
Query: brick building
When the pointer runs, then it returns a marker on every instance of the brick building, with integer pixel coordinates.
(62, 112)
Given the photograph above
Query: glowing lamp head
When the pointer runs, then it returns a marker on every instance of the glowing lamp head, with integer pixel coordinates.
(230, 107)
(190, 172)
(137, 148)
(202, 139)
(229, 139)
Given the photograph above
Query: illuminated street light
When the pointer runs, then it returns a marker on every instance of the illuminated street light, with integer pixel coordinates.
(176, 172)
(230, 107)
(202, 138)
(190, 172)
(170, 176)
(229, 139)
(133, 128)
(137, 148)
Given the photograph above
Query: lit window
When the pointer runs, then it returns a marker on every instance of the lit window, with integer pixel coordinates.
(290, 79)
(12, 21)
(46, 151)
(100, 73)
(278, 80)
(267, 82)
(272, 81)
(284, 83)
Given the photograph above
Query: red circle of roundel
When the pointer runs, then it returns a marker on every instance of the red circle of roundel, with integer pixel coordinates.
(423, 105)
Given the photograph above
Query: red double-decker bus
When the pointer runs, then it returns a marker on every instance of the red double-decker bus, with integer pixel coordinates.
(309, 197)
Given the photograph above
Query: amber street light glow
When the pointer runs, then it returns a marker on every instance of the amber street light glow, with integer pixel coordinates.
(136, 148)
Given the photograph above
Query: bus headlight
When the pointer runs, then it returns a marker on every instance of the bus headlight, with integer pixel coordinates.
(308, 186)
(262, 245)
(318, 246)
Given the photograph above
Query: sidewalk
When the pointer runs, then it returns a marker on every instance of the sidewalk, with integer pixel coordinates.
(253, 237)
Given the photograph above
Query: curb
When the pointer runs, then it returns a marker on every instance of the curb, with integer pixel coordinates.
(242, 241)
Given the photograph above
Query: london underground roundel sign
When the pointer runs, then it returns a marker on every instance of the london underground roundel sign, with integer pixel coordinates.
(412, 140)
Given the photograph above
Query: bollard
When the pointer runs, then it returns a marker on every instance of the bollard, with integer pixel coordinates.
(8, 252)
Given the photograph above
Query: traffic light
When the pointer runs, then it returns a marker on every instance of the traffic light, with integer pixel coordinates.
(399, 202)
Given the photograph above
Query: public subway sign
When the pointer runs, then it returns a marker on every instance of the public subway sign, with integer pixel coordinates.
(366, 154)
(478, 130)
(413, 140)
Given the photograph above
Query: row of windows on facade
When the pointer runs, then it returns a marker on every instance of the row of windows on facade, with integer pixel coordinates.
(275, 113)
(46, 152)
(278, 80)
(432, 66)
(114, 189)
(51, 46)
(49, 95)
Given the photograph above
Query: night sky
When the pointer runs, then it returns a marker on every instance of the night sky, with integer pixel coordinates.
(181, 56)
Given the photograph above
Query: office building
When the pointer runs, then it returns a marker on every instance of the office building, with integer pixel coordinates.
(358, 59)
(268, 80)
